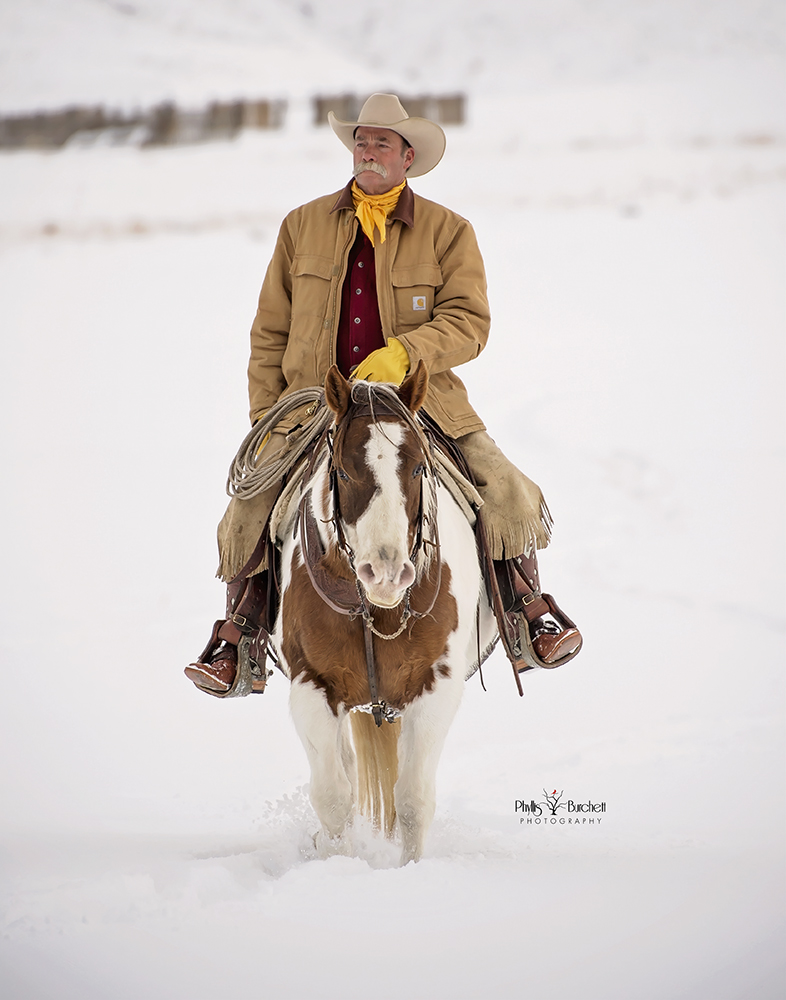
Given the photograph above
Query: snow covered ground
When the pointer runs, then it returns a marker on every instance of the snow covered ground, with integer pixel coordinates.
(157, 843)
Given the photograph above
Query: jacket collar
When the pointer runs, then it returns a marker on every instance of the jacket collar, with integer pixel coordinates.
(404, 210)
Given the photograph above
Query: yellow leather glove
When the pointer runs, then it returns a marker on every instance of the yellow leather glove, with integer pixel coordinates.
(388, 364)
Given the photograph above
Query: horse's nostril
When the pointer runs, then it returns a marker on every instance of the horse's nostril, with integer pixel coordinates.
(386, 574)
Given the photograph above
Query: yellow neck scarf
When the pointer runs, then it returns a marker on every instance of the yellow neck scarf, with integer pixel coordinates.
(373, 209)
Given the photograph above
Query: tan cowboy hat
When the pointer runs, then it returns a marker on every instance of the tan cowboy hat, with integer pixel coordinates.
(385, 111)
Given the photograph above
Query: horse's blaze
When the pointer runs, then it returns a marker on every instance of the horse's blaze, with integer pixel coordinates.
(379, 505)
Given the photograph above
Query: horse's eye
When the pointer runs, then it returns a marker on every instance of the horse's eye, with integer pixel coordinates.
(418, 470)
(342, 475)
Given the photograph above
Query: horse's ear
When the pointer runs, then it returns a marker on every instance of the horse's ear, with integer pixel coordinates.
(412, 391)
(337, 392)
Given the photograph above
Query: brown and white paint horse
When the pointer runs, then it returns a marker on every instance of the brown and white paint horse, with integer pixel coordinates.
(389, 545)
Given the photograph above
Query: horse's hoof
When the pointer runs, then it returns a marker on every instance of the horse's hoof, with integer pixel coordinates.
(331, 847)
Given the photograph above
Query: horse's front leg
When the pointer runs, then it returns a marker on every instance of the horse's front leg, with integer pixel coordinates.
(332, 762)
(424, 726)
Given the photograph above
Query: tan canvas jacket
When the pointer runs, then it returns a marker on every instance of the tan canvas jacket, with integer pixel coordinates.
(431, 287)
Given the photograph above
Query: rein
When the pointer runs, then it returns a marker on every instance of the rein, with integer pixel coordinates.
(339, 594)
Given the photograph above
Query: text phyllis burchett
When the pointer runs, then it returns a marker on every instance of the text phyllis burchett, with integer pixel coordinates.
(552, 811)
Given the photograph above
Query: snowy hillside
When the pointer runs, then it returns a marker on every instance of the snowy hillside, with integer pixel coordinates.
(624, 167)
(130, 52)
(534, 44)
(59, 52)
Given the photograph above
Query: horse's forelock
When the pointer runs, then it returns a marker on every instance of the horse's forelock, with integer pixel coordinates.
(381, 399)
(378, 398)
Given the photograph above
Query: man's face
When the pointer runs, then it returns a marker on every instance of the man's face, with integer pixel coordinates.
(381, 158)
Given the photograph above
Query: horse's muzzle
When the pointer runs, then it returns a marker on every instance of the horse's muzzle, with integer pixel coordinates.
(386, 581)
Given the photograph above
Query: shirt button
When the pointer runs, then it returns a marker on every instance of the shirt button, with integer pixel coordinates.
(356, 348)
(357, 319)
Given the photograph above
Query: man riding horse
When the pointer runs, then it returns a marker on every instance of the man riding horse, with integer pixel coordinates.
(375, 278)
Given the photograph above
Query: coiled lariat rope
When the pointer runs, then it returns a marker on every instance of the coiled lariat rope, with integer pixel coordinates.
(250, 472)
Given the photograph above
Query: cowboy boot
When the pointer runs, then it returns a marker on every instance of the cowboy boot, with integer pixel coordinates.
(545, 631)
(216, 669)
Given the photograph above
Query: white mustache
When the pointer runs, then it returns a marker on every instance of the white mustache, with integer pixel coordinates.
(377, 168)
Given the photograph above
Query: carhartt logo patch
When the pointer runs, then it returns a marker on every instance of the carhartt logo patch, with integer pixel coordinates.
(419, 303)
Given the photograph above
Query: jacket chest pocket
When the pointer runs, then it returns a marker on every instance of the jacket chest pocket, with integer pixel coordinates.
(311, 277)
(414, 290)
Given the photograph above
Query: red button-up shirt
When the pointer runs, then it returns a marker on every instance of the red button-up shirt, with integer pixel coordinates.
(359, 327)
